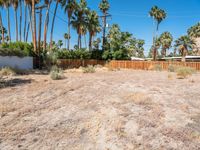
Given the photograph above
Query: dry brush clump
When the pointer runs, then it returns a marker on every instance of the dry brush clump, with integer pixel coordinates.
(56, 73)
(89, 69)
(7, 71)
(184, 72)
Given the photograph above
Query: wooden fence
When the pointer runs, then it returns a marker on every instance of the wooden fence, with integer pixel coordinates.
(146, 65)
(137, 65)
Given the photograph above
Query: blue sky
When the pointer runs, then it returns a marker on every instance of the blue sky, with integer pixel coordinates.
(132, 16)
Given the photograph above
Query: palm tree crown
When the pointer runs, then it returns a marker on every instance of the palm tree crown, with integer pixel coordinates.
(184, 44)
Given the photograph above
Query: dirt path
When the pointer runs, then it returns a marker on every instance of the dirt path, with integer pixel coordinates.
(105, 111)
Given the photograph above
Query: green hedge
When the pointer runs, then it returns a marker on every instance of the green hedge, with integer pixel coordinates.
(19, 49)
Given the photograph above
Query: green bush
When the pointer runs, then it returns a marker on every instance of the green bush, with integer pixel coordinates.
(89, 69)
(183, 72)
(19, 49)
(56, 73)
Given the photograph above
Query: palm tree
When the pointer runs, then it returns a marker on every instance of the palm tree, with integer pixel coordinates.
(79, 20)
(34, 26)
(7, 4)
(158, 15)
(184, 44)
(15, 6)
(104, 6)
(93, 26)
(53, 21)
(60, 43)
(48, 3)
(20, 21)
(69, 8)
(1, 22)
(194, 31)
(166, 42)
(66, 37)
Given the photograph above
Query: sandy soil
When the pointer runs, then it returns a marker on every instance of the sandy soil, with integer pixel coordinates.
(107, 110)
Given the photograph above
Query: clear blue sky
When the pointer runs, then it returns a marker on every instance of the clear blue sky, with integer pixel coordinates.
(132, 16)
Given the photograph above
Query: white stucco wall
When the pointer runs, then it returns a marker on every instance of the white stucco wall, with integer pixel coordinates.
(16, 62)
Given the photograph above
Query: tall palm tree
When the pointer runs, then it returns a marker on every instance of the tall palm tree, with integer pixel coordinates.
(93, 26)
(7, 4)
(53, 21)
(66, 37)
(104, 6)
(20, 20)
(69, 8)
(15, 4)
(34, 26)
(158, 15)
(79, 20)
(1, 22)
(184, 44)
(166, 42)
(48, 3)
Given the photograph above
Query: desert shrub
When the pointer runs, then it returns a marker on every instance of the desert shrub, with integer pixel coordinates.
(89, 69)
(183, 72)
(7, 71)
(56, 73)
(158, 67)
(172, 68)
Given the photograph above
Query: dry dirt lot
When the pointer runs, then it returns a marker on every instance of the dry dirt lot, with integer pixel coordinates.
(107, 110)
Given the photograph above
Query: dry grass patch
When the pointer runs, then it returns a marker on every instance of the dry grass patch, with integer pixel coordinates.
(140, 99)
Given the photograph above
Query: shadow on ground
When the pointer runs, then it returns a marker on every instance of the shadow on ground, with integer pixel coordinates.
(4, 83)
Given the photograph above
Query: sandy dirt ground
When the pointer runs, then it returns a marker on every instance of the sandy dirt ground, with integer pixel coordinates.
(106, 110)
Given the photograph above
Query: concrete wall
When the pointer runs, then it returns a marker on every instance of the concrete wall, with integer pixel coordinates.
(16, 62)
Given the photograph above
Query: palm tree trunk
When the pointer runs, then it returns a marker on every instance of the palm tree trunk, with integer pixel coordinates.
(90, 42)
(8, 19)
(25, 20)
(104, 31)
(30, 22)
(65, 44)
(46, 25)
(34, 26)
(85, 40)
(80, 38)
(20, 23)
(52, 27)
(16, 25)
(27, 31)
(2, 28)
(39, 30)
(69, 32)
(184, 55)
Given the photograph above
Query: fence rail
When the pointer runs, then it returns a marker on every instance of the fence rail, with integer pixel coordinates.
(137, 65)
